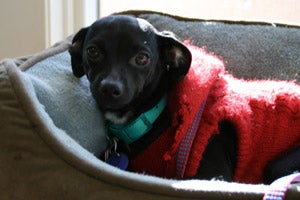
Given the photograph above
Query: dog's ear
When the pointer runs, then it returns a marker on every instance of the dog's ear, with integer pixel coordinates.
(76, 51)
(175, 56)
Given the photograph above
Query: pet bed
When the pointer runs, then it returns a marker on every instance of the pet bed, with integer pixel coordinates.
(52, 131)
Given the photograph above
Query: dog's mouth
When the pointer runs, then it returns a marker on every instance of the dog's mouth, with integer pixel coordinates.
(110, 105)
(116, 113)
(120, 105)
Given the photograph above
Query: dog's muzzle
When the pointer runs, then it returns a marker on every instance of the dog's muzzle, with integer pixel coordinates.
(111, 94)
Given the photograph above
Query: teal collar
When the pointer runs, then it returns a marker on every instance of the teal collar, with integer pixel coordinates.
(135, 129)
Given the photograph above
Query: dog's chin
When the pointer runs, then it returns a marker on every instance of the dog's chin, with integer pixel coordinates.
(117, 118)
(115, 113)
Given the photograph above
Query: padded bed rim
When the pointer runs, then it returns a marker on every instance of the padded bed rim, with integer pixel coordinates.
(82, 160)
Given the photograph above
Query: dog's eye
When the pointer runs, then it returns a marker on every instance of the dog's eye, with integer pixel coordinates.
(94, 53)
(142, 59)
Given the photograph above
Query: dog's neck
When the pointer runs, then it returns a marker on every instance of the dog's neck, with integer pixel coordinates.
(137, 127)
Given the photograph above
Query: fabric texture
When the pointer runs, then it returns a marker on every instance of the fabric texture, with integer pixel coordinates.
(250, 50)
(42, 156)
(265, 114)
(67, 99)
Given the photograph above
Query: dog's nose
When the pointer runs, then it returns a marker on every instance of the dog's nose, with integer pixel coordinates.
(111, 88)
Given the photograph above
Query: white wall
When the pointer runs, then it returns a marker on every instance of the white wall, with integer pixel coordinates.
(22, 27)
(29, 26)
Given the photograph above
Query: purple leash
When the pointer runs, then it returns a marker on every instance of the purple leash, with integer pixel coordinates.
(187, 142)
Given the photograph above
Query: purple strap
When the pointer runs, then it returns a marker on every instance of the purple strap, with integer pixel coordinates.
(186, 143)
(279, 188)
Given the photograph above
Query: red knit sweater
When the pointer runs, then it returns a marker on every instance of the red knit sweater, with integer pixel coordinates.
(266, 115)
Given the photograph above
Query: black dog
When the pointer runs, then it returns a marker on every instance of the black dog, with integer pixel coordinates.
(131, 66)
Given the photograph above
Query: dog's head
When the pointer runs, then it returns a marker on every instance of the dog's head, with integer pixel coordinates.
(129, 64)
